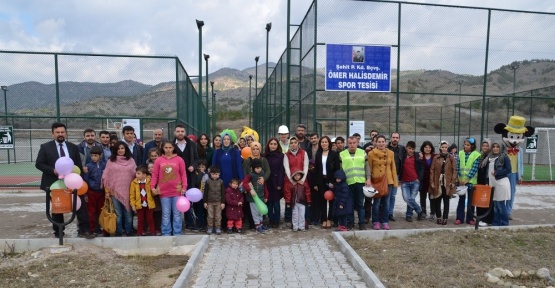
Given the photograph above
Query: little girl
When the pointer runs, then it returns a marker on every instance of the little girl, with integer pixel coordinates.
(343, 204)
(152, 155)
(169, 180)
(234, 200)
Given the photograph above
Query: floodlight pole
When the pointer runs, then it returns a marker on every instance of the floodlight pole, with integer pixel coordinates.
(513, 67)
(250, 102)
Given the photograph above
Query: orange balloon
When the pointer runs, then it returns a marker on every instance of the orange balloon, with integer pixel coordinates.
(246, 152)
(83, 189)
(328, 195)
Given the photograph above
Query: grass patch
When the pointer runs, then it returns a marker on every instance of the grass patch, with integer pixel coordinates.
(457, 258)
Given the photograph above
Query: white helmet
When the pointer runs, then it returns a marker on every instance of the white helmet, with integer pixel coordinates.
(369, 191)
(461, 190)
(283, 129)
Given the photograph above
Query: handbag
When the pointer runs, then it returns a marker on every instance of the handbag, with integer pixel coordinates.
(380, 184)
(107, 218)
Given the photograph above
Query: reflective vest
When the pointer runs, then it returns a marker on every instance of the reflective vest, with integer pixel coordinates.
(465, 167)
(353, 166)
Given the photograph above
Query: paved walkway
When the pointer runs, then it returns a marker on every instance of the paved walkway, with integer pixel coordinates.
(276, 259)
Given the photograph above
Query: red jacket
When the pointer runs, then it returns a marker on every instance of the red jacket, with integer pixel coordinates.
(232, 209)
(298, 194)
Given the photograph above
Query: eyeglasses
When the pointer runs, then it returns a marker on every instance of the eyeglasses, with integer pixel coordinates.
(471, 140)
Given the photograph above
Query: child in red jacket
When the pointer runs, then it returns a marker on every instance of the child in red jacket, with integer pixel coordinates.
(234, 200)
(297, 196)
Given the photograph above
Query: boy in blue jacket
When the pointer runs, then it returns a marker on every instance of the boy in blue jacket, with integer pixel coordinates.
(343, 204)
(95, 195)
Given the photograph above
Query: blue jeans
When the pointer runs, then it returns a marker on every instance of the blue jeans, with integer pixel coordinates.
(383, 204)
(469, 208)
(500, 215)
(123, 215)
(358, 197)
(392, 195)
(274, 211)
(169, 209)
(410, 190)
(512, 178)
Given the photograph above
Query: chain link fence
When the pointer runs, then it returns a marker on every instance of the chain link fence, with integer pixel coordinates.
(456, 71)
(102, 92)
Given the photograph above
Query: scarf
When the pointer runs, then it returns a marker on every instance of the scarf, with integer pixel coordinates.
(500, 156)
(484, 155)
(226, 149)
(117, 178)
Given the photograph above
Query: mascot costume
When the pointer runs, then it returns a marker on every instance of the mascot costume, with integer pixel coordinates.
(249, 132)
(512, 134)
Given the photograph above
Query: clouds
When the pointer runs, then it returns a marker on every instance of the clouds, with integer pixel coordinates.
(234, 29)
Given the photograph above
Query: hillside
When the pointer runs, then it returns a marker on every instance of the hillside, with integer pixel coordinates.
(131, 98)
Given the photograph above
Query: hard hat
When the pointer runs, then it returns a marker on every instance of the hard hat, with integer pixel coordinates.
(461, 190)
(369, 191)
(283, 129)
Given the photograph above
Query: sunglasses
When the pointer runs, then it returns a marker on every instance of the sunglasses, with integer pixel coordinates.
(471, 140)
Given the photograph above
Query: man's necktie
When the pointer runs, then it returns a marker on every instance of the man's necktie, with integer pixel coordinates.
(62, 153)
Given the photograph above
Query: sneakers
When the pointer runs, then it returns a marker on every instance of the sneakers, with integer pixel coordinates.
(471, 222)
(266, 228)
(392, 219)
(218, 231)
(421, 216)
(229, 230)
(209, 230)
(86, 235)
(482, 224)
(239, 230)
(409, 219)
(385, 226)
(376, 226)
(342, 229)
(260, 229)
(432, 217)
(361, 227)
(458, 222)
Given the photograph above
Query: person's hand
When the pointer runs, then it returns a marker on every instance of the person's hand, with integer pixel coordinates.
(222, 206)
(368, 182)
(301, 182)
(261, 180)
(106, 195)
(316, 188)
(265, 200)
(340, 206)
(55, 172)
(432, 186)
(205, 205)
(134, 209)
(250, 186)
(278, 188)
(240, 203)
(288, 206)
(253, 192)
(85, 169)
(330, 186)
(191, 169)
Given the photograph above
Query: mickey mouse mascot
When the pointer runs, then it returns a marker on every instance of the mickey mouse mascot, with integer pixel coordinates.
(512, 134)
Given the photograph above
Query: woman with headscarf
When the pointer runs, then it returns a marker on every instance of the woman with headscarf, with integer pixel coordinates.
(484, 179)
(274, 156)
(443, 175)
(499, 167)
(256, 153)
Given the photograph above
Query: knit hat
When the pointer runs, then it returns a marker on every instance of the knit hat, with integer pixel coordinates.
(255, 163)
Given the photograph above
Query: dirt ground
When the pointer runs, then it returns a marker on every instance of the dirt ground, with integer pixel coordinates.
(458, 259)
(88, 266)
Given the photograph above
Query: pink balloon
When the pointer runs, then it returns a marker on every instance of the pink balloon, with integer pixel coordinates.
(194, 195)
(183, 204)
(64, 165)
(78, 202)
(73, 181)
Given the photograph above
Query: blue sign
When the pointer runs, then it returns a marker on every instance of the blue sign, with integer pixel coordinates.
(358, 68)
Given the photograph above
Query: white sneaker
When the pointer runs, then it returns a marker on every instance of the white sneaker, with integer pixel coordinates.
(482, 224)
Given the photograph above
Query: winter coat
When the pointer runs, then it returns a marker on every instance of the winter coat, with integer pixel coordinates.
(261, 190)
(332, 164)
(425, 184)
(275, 161)
(214, 191)
(135, 194)
(450, 170)
(298, 193)
(94, 176)
(379, 165)
(342, 195)
(232, 209)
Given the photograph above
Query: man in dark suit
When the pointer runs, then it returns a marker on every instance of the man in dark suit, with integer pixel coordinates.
(137, 151)
(187, 150)
(49, 152)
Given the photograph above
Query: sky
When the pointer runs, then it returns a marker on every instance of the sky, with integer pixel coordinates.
(233, 34)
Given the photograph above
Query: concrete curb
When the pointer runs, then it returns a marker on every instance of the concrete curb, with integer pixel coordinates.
(189, 269)
(366, 273)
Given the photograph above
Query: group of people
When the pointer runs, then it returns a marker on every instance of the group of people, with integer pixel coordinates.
(147, 180)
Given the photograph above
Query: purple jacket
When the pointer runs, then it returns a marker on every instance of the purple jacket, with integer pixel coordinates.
(275, 160)
(232, 209)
